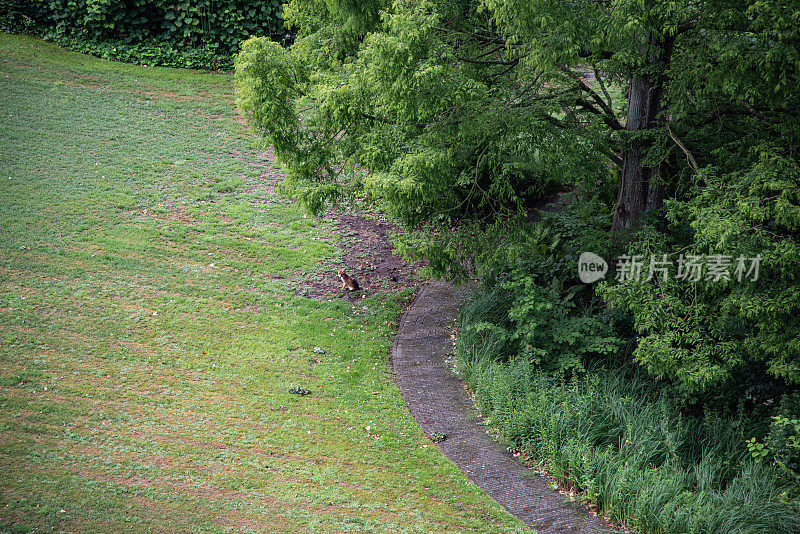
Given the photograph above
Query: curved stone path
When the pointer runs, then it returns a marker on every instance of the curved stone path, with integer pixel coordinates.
(438, 401)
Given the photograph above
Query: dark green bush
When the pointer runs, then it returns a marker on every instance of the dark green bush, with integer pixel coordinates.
(781, 446)
(24, 16)
(152, 55)
(220, 25)
(551, 325)
(197, 34)
(623, 442)
(541, 311)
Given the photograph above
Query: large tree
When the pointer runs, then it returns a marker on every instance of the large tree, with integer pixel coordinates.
(453, 108)
(444, 109)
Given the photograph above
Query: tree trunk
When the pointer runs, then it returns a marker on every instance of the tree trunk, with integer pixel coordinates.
(637, 191)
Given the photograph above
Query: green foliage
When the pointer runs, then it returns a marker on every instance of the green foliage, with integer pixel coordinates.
(781, 446)
(732, 331)
(386, 108)
(219, 25)
(624, 443)
(24, 16)
(161, 55)
(783, 442)
(452, 110)
(464, 249)
(540, 311)
(548, 329)
(202, 34)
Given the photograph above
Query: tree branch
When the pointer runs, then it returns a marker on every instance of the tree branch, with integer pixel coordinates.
(753, 111)
(492, 51)
(484, 39)
(488, 61)
(552, 120)
(547, 96)
(607, 114)
(687, 25)
(611, 122)
(689, 158)
(502, 72)
(603, 54)
(378, 119)
(603, 87)
(528, 88)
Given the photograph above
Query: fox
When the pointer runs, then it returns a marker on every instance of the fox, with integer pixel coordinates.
(348, 282)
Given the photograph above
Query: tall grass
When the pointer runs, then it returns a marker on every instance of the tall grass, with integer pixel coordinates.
(621, 441)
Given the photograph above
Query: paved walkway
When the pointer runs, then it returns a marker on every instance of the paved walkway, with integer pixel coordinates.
(438, 401)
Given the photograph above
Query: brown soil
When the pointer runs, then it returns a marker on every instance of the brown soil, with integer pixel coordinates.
(367, 256)
(364, 237)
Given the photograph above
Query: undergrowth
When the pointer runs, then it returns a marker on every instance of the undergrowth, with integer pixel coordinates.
(618, 437)
(149, 55)
(194, 35)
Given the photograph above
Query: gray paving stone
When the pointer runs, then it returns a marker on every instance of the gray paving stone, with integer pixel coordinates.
(437, 399)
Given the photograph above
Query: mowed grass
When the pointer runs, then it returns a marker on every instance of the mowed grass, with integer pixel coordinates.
(150, 332)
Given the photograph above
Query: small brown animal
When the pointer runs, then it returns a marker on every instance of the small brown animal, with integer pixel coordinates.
(348, 282)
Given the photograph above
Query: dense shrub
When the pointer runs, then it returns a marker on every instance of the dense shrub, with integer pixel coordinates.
(547, 324)
(781, 446)
(623, 441)
(220, 25)
(543, 312)
(24, 16)
(193, 34)
(162, 55)
(559, 373)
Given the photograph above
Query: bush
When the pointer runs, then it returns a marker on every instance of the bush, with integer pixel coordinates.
(544, 326)
(23, 16)
(151, 55)
(623, 442)
(197, 34)
(781, 445)
(540, 311)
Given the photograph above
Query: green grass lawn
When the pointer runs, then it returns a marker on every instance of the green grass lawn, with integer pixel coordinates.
(150, 332)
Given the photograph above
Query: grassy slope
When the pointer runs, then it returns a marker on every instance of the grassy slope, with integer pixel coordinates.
(143, 387)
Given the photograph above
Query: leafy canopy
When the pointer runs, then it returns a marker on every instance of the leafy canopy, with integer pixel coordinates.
(457, 114)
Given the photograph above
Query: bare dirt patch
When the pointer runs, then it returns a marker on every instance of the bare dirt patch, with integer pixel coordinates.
(368, 256)
(365, 239)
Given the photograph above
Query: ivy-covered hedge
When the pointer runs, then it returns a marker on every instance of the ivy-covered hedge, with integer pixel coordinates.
(194, 34)
(25, 16)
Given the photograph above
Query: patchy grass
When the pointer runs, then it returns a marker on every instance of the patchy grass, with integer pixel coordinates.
(150, 335)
